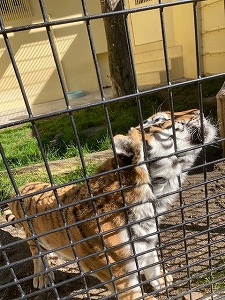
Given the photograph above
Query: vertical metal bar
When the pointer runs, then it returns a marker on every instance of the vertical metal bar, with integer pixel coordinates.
(18, 76)
(136, 89)
(15, 279)
(140, 116)
(200, 96)
(97, 69)
(16, 70)
(170, 95)
(142, 130)
(54, 53)
(63, 85)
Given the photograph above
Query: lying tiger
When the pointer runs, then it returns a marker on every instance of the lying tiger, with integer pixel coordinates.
(108, 256)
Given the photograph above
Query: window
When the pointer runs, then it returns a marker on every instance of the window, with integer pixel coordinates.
(137, 2)
(14, 9)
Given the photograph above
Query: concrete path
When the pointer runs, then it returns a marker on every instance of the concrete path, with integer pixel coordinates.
(52, 106)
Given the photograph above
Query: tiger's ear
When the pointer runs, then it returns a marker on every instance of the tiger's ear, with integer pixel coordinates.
(125, 149)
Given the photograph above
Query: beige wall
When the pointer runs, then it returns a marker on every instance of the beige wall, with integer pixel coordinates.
(213, 36)
(35, 61)
(147, 40)
(143, 30)
(34, 58)
(212, 33)
(185, 36)
(146, 26)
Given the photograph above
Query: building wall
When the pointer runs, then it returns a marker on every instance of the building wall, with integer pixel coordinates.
(184, 35)
(180, 39)
(213, 36)
(36, 64)
(147, 43)
(35, 61)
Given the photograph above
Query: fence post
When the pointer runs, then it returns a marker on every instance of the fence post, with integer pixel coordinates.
(221, 113)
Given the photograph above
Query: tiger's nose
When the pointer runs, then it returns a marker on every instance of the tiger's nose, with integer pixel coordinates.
(197, 112)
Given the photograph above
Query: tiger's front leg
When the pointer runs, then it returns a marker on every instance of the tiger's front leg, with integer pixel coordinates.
(130, 285)
(42, 280)
(154, 271)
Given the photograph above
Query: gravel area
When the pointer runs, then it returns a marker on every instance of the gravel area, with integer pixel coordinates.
(189, 259)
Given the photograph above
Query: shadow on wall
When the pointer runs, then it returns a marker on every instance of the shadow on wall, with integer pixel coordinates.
(35, 61)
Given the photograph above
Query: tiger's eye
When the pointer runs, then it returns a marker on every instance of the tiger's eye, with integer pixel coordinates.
(145, 122)
(160, 120)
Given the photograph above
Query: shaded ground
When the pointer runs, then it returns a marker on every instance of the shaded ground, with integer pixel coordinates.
(189, 259)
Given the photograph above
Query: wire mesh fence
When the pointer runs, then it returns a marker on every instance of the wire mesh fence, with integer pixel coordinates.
(116, 236)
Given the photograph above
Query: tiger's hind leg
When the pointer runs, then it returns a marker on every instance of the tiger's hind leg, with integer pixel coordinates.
(40, 263)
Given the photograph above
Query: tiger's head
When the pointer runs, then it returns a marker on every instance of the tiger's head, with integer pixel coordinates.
(172, 145)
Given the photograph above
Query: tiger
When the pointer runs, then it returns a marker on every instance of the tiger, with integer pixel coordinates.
(109, 223)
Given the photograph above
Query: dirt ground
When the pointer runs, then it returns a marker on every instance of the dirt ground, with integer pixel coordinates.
(189, 259)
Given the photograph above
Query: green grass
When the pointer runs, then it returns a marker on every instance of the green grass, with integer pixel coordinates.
(29, 175)
(19, 146)
(21, 149)
(59, 141)
(92, 127)
(216, 275)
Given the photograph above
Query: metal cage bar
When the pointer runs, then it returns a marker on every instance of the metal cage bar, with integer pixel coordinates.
(164, 245)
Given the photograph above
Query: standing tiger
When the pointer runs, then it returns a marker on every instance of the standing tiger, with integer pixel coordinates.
(113, 218)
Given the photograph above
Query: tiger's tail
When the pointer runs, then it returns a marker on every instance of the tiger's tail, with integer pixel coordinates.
(9, 216)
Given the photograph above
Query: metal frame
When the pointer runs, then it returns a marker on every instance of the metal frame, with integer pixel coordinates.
(169, 86)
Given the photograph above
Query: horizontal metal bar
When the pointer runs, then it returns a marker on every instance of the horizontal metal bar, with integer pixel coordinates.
(185, 235)
(113, 100)
(86, 18)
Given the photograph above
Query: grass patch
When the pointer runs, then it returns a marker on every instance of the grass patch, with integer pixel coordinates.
(59, 139)
(7, 189)
(20, 147)
(216, 275)
(91, 125)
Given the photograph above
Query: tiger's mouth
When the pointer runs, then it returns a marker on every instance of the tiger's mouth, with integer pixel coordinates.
(202, 134)
(197, 135)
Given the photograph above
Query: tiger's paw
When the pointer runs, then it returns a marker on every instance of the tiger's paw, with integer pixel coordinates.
(162, 282)
(43, 281)
(150, 298)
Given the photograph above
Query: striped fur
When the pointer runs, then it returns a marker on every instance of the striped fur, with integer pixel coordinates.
(143, 185)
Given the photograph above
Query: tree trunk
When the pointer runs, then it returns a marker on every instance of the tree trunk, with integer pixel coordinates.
(122, 76)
